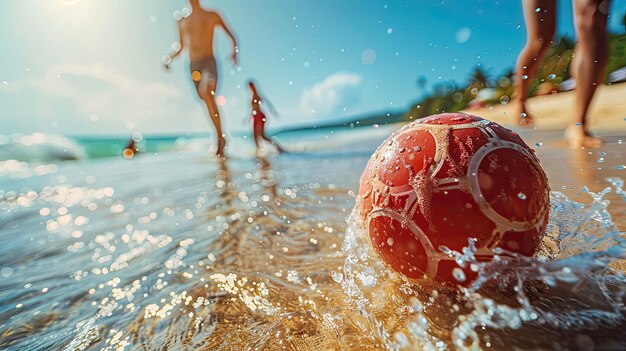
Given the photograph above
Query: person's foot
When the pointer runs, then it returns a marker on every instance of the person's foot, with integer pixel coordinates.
(526, 120)
(280, 149)
(221, 145)
(578, 137)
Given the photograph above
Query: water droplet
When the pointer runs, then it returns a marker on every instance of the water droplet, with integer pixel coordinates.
(458, 274)
(620, 167)
(549, 280)
(337, 277)
(523, 115)
(539, 144)
(445, 250)
(6, 272)
(368, 56)
(504, 99)
(521, 196)
(524, 77)
(551, 76)
(390, 241)
(538, 9)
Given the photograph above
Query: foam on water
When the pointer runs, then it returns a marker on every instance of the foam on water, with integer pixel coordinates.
(39, 147)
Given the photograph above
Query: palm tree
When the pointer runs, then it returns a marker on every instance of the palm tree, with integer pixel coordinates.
(563, 43)
(421, 82)
(479, 78)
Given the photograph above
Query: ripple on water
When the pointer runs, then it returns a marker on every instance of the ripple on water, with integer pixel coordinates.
(228, 259)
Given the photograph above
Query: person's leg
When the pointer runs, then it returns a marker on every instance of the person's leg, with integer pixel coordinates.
(590, 18)
(206, 86)
(256, 135)
(272, 141)
(214, 113)
(540, 18)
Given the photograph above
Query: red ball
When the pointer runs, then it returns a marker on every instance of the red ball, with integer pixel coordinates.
(442, 180)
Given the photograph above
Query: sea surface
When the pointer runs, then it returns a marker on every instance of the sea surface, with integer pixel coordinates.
(176, 250)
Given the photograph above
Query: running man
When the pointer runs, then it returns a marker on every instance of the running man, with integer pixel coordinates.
(259, 119)
(587, 67)
(196, 33)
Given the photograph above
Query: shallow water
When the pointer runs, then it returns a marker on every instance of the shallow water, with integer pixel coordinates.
(178, 251)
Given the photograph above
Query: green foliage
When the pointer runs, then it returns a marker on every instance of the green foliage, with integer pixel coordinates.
(554, 68)
(617, 52)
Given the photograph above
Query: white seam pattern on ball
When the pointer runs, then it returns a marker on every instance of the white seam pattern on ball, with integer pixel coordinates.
(440, 134)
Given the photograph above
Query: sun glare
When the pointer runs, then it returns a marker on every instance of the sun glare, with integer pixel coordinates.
(69, 2)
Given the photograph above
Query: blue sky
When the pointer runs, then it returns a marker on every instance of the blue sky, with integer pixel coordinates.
(93, 66)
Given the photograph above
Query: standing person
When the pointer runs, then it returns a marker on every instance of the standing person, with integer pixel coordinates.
(590, 17)
(588, 66)
(540, 29)
(196, 33)
(259, 119)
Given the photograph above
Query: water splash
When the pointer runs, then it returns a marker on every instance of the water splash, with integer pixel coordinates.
(570, 295)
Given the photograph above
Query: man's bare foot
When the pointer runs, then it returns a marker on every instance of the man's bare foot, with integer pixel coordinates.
(526, 120)
(578, 137)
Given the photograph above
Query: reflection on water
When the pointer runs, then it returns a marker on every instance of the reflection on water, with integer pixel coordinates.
(176, 252)
(571, 170)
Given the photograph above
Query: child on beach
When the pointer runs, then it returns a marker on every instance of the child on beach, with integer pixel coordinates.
(259, 119)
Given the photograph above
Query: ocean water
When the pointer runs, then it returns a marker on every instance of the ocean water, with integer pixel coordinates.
(175, 250)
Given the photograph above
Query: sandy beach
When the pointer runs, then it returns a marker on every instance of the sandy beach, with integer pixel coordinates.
(553, 112)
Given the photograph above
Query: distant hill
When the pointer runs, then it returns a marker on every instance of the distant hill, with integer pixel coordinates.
(381, 118)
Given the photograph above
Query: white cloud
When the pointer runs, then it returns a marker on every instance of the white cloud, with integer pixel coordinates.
(96, 89)
(339, 90)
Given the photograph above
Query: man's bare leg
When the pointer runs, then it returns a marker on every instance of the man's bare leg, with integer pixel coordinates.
(206, 91)
(589, 63)
(214, 113)
(540, 27)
